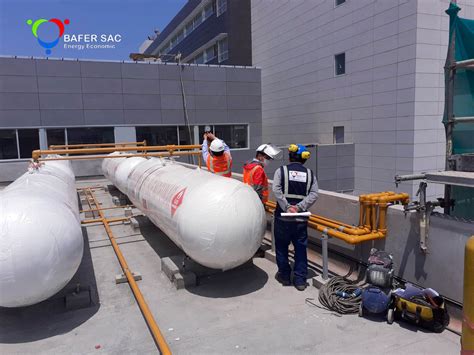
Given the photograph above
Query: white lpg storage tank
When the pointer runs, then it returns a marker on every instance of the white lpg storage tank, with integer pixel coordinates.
(218, 222)
(41, 243)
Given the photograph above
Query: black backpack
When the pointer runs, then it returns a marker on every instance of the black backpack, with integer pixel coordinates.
(380, 269)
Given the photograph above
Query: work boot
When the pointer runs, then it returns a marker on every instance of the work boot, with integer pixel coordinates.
(283, 280)
(300, 287)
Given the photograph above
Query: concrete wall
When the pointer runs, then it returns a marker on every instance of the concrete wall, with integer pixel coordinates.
(442, 268)
(333, 165)
(390, 100)
(39, 93)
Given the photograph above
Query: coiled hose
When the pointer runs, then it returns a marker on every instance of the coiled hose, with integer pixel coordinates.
(330, 300)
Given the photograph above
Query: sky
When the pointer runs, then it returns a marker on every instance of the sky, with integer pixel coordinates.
(129, 22)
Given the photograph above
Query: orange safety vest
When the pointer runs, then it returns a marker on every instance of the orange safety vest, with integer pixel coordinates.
(248, 179)
(220, 165)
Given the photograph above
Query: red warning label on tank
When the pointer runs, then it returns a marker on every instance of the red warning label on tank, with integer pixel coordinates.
(177, 201)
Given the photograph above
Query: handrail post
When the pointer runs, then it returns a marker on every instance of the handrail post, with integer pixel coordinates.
(467, 338)
(324, 247)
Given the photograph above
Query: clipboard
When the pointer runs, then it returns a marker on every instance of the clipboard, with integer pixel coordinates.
(298, 214)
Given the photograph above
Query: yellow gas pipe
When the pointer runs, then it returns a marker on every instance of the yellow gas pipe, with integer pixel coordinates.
(142, 304)
(368, 229)
(36, 154)
(467, 338)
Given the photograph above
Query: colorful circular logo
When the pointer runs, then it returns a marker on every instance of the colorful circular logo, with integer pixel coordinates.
(34, 29)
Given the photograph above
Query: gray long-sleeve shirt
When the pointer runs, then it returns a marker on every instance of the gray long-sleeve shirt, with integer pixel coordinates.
(304, 205)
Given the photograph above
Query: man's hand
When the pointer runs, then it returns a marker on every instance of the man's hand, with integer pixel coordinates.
(210, 136)
(292, 209)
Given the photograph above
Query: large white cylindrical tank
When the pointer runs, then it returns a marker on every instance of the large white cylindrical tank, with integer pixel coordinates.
(110, 165)
(218, 222)
(41, 243)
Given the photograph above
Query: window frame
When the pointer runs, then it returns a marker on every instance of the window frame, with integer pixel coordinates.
(220, 54)
(335, 64)
(205, 16)
(213, 129)
(206, 59)
(17, 140)
(219, 7)
(334, 134)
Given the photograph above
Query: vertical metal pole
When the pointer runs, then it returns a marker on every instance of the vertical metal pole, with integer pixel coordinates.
(273, 232)
(324, 246)
(467, 338)
(17, 144)
(449, 73)
(42, 138)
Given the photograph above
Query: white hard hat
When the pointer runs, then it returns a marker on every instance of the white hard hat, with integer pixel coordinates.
(217, 146)
(269, 149)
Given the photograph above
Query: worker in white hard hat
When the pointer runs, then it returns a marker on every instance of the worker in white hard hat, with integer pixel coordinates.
(254, 170)
(217, 157)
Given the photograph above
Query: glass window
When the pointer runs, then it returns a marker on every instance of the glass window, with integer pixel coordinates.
(223, 50)
(208, 11)
(199, 59)
(189, 27)
(8, 147)
(339, 2)
(28, 140)
(197, 20)
(90, 135)
(210, 54)
(201, 131)
(340, 63)
(338, 134)
(173, 42)
(157, 135)
(56, 136)
(235, 136)
(179, 36)
(221, 7)
(184, 138)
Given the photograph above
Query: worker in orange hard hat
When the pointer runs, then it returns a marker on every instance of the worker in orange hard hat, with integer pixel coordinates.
(217, 156)
(254, 170)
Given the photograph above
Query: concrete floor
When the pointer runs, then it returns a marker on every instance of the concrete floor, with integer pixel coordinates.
(240, 311)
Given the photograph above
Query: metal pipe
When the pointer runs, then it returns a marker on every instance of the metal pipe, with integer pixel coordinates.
(273, 233)
(382, 227)
(368, 216)
(401, 197)
(110, 220)
(373, 217)
(463, 63)
(350, 239)
(467, 338)
(154, 329)
(449, 77)
(36, 154)
(462, 119)
(400, 178)
(374, 228)
(97, 145)
(92, 157)
(324, 247)
(272, 205)
(105, 208)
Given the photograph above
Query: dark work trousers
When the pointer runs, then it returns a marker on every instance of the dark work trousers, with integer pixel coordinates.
(296, 233)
